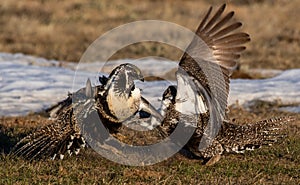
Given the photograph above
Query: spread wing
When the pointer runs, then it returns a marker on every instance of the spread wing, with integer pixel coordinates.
(213, 53)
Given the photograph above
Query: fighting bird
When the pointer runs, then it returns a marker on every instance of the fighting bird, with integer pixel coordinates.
(199, 100)
(115, 100)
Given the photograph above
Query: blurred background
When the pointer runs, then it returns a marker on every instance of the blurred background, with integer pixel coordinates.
(62, 30)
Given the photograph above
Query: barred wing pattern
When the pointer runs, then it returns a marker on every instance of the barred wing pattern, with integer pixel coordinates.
(209, 71)
(225, 43)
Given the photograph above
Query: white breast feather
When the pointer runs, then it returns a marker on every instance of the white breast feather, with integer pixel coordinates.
(188, 101)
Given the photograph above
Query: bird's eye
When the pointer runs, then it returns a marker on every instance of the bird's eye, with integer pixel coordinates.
(133, 87)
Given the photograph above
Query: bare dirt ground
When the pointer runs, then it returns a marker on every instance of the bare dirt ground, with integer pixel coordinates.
(62, 30)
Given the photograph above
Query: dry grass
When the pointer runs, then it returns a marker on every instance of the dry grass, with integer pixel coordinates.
(64, 29)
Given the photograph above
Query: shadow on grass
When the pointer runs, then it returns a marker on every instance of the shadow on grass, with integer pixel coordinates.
(8, 140)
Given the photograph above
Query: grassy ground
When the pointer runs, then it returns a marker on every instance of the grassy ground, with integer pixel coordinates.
(277, 164)
(64, 29)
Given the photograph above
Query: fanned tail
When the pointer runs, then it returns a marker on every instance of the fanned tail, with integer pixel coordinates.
(49, 142)
(238, 138)
(56, 139)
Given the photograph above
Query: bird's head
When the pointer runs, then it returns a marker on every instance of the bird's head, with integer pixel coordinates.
(169, 97)
(121, 80)
(170, 93)
(123, 97)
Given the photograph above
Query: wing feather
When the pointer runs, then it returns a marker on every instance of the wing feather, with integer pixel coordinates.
(218, 51)
(214, 18)
(221, 23)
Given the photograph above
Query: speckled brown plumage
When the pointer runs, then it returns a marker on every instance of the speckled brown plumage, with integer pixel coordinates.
(64, 135)
(208, 69)
(231, 138)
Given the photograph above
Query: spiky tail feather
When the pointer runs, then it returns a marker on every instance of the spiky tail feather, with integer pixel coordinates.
(62, 135)
(238, 138)
(57, 139)
(56, 109)
(48, 142)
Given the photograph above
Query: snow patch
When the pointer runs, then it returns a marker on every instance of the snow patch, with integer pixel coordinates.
(31, 84)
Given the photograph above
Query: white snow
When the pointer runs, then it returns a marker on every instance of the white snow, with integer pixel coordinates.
(30, 84)
(284, 87)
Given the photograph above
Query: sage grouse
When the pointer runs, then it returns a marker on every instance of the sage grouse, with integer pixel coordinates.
(199, 100)
(116, 100)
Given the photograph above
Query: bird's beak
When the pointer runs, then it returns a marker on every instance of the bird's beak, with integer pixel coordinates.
(147, 107)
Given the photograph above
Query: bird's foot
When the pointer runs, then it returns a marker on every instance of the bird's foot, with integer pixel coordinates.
(213, 160)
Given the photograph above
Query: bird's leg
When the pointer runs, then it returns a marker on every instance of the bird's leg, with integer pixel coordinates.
(213, 160)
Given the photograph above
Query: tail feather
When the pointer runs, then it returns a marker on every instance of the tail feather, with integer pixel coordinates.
(58, 138)
(43, 144)
(56, 109)
(32, 148)
(238, 138)
(39, 151)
